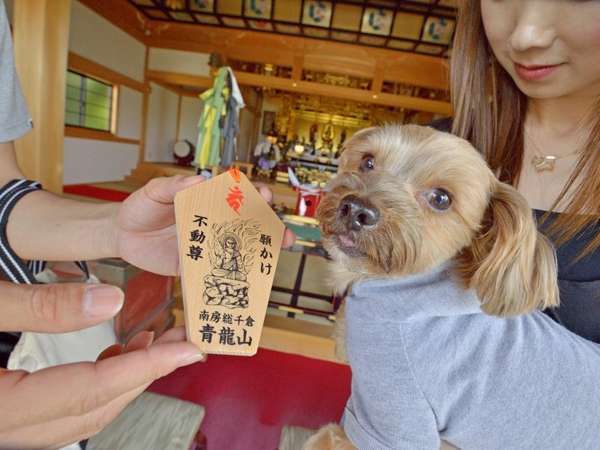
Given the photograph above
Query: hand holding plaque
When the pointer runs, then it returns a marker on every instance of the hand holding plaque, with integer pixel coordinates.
(229, 243)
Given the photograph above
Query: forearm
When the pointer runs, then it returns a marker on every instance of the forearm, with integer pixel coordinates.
(43, 226)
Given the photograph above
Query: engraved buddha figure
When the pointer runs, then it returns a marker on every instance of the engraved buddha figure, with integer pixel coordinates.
(229, 260)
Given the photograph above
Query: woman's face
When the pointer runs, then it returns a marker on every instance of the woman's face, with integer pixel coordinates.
(551, 48)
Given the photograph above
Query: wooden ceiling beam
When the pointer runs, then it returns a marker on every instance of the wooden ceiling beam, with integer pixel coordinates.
(317, 55)
(181, 79)
(347, 93)
(307, 87)
(86, 66)
(120, 13)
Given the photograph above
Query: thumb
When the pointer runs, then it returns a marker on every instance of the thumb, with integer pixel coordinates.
(163, 189)
(57, 308)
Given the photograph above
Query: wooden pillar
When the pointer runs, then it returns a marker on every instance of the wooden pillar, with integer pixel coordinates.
(297, 67)
(41, 41)
(377, 83)
(145, 103)
(178, 123)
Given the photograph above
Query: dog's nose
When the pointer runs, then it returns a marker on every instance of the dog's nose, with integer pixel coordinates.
(358, 213)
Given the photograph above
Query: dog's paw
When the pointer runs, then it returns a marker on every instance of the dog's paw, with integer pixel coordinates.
(330, 437)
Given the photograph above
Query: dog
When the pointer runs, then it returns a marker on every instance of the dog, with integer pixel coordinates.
(445, 274)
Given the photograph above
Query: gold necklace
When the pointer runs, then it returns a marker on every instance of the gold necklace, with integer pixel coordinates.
(543, 162)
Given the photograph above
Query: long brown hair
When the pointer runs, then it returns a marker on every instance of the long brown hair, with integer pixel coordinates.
(489, 111)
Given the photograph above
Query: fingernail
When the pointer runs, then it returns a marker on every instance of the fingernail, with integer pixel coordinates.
(194, 179)
(189, 357)
(150, 338)
(102, 300)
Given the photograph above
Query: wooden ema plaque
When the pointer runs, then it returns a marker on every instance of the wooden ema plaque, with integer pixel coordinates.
(229, 244)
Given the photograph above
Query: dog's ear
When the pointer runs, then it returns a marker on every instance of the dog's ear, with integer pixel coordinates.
(511, 265)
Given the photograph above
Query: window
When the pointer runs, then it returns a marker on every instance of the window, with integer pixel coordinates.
(89, 102)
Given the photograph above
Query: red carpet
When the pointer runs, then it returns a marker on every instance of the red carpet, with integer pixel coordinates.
(86, 190)
(248, 400)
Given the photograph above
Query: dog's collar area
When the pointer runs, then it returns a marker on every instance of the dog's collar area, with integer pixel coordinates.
(434, 293)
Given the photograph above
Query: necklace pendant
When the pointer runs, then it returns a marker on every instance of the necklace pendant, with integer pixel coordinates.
(542, 163)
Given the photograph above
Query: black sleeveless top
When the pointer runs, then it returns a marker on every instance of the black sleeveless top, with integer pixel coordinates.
(579, 282)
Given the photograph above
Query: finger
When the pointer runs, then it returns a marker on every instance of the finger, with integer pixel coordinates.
(266, 193)
(56, 308)
(175, 335)
(163, 190)
(144, 340)
(90, 386)
(288, 238)
(94, 422)
(151, 207)
(111, 351)
(64, 431)
(141, 340)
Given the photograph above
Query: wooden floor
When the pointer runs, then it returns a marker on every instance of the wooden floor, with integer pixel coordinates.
(123, 186)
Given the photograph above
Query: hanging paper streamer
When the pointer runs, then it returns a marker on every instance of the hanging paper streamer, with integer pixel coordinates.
(231, 127)
(219, 121)
(208, 146)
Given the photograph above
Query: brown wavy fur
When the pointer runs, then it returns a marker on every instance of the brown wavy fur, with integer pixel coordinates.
(489, 231)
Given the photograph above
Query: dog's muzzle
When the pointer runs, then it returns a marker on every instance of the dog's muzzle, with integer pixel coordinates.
(357, 213)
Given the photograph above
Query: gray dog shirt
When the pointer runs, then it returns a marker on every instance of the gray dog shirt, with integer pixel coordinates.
(427, 363)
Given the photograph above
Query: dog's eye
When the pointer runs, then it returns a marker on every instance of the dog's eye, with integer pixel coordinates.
(367, 163)
(439, 199)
